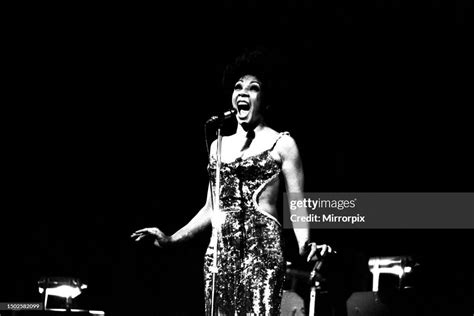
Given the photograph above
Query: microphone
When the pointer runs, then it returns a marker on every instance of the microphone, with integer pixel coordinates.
(222, 117)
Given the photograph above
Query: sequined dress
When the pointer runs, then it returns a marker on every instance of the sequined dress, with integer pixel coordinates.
(251, 267)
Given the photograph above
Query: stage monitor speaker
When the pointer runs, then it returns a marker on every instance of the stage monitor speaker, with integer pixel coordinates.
(385, 303)
(292, 304)
(366, 304)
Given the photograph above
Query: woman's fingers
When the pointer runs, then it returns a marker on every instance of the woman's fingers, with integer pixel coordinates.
(143, 230)
(323, 248)
(313, 252)
(137, 236)
(319, 251)
(140, 237)
(160, 239)
(141, 233)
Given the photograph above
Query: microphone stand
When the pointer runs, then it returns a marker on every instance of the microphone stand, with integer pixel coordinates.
(216, 214)
(316, 278)
(315, 285)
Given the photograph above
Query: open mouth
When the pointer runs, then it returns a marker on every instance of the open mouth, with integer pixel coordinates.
(243, 108)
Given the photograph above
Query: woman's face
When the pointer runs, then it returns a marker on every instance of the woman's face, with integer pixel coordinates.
(246, 99)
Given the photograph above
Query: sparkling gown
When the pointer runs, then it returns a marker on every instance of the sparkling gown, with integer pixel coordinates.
(251, 267)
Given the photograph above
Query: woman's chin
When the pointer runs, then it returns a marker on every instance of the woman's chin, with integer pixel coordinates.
(245, 119)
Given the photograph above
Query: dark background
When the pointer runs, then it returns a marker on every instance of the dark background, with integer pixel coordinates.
(376, 95)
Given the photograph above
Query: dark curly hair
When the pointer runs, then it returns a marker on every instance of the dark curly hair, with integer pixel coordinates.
(255, 63)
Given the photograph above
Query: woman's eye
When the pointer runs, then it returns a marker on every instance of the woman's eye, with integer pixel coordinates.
(238, 87)
(255, 88)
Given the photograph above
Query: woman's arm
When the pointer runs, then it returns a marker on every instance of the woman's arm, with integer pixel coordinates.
(292, 169)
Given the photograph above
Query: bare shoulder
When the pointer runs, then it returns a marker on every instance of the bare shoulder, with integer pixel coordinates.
(287, 142)
(226, 141)
(270, 134)
(287, 147)
(213, 148)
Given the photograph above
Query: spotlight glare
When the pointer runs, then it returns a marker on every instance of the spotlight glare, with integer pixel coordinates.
(64, 291)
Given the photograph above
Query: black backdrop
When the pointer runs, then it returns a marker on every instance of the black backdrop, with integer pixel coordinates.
(376, 96)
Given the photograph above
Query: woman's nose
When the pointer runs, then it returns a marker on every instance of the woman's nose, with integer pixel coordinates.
(243, 92)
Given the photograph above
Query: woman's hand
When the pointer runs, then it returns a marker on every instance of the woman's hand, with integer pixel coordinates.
(160, 239)
(315, 251)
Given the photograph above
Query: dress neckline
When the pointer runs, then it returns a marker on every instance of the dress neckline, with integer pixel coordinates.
(240, 159)
(267, 151)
